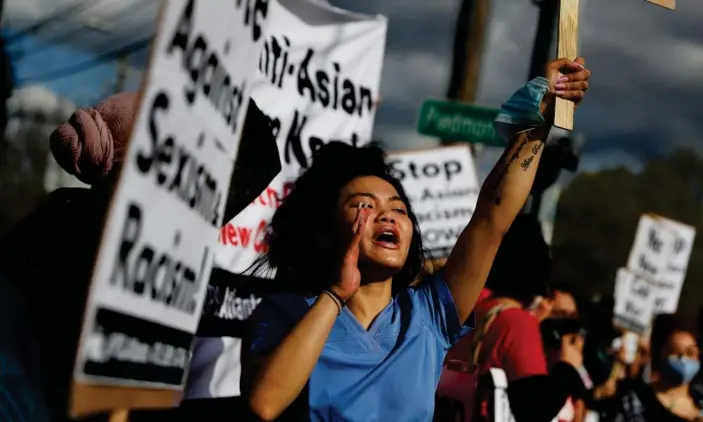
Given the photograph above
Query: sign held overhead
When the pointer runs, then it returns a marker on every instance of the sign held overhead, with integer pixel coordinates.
(634, 301)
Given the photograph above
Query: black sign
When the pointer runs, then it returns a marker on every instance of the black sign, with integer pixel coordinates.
(230, 301)
(129, 348)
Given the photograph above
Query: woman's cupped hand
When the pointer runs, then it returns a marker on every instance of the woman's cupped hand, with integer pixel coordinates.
(349, 278)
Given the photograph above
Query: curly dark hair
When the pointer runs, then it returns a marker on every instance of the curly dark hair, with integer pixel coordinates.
(298, 236)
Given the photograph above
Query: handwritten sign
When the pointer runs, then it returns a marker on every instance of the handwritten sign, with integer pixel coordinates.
(634, 301)
(671, 280)
(443, 188)
(156, 250)
(652, 248)
(660, 252)
(318, 81)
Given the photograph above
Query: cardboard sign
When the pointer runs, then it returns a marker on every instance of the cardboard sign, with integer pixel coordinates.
(670, 283)
(661, 252)
(156, 250)
(443, 188)
(652, 248)
(634, 301)
(318, 81)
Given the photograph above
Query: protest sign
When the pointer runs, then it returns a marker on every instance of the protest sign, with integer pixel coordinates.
(156, 250)
(672, 278)
(652, 248)
(660, 252)
(318, 81)
(634, 302)
(442, 186)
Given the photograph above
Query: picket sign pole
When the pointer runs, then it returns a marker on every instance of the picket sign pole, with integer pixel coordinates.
(567, 43)
(119, 415)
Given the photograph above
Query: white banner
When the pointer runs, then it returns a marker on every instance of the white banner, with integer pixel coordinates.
(443, 188)
(318, 81)
(156, 251)
(634, 301)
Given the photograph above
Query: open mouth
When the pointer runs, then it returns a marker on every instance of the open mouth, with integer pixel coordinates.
(387, 237)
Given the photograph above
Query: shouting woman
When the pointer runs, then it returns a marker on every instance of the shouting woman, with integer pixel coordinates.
(363, 335)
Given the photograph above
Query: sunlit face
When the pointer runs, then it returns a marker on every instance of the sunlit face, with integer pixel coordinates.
(564, 305)
(386, 238)
(681, 344)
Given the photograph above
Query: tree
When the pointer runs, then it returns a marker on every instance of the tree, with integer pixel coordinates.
(597, 218)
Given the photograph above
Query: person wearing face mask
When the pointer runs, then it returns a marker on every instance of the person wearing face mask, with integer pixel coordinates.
(675, 362)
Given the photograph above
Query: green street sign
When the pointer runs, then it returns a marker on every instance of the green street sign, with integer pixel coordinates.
(455, 121)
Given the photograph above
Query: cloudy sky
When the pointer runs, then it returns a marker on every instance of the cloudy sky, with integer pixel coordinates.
(647, 63)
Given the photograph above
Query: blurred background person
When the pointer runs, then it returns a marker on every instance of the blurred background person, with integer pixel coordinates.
(508, 334)
(667, 398)
(563, 320)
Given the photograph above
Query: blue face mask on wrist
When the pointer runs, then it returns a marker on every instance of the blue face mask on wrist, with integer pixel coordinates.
(522, 110)
(682, 369)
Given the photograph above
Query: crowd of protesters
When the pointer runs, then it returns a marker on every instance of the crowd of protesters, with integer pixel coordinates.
(362, 328)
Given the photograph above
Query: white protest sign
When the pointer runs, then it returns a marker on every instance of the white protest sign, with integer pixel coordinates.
(634, 304)
(318, 81)
(443, 188)
(156, 251)
(670, 282)
(652, 248)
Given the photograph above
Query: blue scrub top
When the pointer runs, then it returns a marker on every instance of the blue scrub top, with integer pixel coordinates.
(386, 373)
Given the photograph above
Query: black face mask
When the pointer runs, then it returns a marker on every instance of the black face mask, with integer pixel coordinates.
(553, 329)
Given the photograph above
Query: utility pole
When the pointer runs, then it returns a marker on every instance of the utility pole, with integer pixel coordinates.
(546, 27)
(469, 40)
(541, 53)
(7, 81)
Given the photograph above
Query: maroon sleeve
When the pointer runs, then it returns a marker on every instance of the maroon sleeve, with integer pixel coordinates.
(522, 354)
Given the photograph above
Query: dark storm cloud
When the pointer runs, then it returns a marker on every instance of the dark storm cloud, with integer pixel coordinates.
(647, 63)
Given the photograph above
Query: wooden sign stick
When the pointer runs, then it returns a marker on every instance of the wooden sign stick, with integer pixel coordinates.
(567, 44)
(119, 415)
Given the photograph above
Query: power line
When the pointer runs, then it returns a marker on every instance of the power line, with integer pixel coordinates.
(73, 34)
(89, 64)
(76, 6)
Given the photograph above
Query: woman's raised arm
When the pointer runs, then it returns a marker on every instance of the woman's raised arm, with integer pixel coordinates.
(506, 188)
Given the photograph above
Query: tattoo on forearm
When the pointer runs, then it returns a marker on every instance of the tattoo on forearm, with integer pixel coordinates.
(509, 159)
(527, 161)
